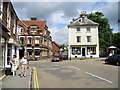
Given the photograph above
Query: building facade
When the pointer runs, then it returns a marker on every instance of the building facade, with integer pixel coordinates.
(83, 38)
(55, 49)
(35, 37)
(9, 44)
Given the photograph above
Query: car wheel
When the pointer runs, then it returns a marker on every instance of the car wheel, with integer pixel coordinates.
(117, 64)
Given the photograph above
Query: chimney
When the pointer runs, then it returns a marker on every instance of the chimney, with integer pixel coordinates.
(33, 18)
(83, 16)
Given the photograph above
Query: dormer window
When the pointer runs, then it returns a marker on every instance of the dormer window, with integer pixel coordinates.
(33, 28)
(19, 29)
(83, 19)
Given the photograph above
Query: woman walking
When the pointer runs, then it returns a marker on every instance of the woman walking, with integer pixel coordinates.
(24, 63)
(14, 64)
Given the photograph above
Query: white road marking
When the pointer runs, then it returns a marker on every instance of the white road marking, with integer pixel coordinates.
(74, 67)
(99, 77)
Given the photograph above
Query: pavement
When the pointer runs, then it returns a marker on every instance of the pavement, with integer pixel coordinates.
(17, 82)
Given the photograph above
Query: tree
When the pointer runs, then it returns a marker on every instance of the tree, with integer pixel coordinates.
(116, 39)
(105, 32)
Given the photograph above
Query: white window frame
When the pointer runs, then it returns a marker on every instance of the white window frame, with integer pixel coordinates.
(14, 29)
(20, 37)
(90, 39)
(37, 49)
(76, 50)
(88, 30)
(45, 31)
(91, 50)
(78, 30)
(8, 16)
(33, 27)
(37, 41)
(1, 10)
(19, 28)
(79, 39)
(28, 40)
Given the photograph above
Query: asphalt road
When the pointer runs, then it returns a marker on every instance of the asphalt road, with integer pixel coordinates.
(76, 74)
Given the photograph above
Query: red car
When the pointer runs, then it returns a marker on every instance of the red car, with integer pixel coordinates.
(56, 58)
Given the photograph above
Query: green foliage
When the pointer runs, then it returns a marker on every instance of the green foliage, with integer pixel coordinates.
(116, 39)
(64, 48)
(105, 32)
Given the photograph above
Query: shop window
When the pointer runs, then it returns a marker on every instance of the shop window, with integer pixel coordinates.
(37, 52)
(29, 51)
(91, 50)
(76, 50)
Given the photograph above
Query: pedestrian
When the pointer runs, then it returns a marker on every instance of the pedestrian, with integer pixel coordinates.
(23, 66)
(28, 59)
(14, 65)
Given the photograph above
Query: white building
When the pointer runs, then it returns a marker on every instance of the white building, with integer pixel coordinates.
(83, 38)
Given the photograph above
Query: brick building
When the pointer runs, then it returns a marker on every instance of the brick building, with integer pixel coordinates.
(8, 35)
(55, 48)
(35, 37)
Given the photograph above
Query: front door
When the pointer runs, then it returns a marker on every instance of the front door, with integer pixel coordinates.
(83, 51)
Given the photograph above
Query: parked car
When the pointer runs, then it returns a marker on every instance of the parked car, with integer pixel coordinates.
(56, 58)
(65, 57)
(114, 59)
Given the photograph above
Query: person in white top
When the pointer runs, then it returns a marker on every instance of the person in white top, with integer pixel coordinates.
(14, 64)
(24, 63)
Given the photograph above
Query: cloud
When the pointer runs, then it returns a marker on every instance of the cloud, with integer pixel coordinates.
(59, 14)
(65, 0)
(60, 35)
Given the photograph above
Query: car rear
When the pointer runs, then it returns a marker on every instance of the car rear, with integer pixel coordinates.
(55, 58)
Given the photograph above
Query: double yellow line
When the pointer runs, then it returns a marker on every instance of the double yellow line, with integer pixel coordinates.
(35, 76)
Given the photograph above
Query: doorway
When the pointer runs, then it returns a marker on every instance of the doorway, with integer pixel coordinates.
(83, 51)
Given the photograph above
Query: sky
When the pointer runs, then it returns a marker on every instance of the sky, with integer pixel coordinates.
(59, 14)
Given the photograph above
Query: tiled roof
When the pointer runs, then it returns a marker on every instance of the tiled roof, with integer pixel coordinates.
(55, 44)
(27, 23)
(78, 22)
(41, 24)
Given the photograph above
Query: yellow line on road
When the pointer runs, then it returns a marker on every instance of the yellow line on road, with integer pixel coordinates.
(36, 84)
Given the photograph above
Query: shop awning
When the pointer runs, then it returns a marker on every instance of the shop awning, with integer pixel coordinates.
(112, 47)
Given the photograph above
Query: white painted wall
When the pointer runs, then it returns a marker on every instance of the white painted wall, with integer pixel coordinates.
(83, 44)
(83, 33)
